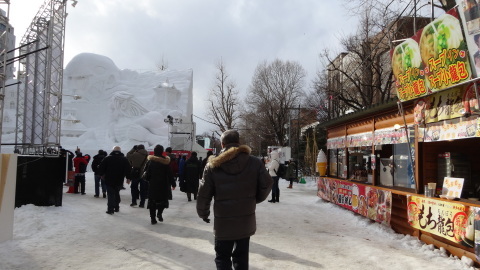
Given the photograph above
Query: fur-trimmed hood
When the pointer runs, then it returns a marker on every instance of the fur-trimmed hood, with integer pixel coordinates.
(164, 159)
(224, 159)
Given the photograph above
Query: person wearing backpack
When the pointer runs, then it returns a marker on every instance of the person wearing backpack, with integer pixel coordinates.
(273, 168)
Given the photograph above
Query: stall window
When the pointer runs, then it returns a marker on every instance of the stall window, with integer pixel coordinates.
(332, 162)
(394, 167)
(359, 163)
(337, 163)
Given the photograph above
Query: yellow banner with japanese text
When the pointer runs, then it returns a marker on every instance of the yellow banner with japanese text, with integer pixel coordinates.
(449, 220)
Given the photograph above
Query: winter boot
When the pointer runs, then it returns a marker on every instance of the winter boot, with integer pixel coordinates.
(159, 215)
(189, 196)
(272, 200)
(152, 215)
(289, 186)
(154, 220)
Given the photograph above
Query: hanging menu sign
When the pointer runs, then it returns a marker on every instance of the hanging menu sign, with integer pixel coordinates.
(435, 58)
(390, 136)
(458, 128)
(335, 143)
(358, 140)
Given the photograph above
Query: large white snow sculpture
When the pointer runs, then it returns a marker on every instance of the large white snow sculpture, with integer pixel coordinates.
(121, 107)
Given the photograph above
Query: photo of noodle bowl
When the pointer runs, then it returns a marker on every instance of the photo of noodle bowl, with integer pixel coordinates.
(442, 34)
(405, 56)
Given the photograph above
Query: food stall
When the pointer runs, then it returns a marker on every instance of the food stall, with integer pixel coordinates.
(411, 163)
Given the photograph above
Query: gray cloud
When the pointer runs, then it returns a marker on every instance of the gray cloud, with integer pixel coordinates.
(136, 34)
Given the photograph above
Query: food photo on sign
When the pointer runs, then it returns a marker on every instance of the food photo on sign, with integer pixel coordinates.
(444, 52)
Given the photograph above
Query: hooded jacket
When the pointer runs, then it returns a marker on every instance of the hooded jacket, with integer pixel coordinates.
(237, 182)
(160, 178)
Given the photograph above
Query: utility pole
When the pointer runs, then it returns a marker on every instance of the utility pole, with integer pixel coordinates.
(298, 135)
(298, 140)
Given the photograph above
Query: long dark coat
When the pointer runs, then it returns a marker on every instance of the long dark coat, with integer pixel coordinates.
(192, 174)
(160, 178)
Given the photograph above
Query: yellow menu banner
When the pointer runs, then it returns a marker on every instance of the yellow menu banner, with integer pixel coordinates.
(449, 220)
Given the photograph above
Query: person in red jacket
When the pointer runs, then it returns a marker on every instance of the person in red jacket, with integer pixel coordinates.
(80, 163)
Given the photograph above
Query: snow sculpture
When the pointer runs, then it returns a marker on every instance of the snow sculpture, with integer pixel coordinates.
(130, 120)
(121, 107)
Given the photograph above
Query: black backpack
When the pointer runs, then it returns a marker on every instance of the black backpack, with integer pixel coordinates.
(282, 170)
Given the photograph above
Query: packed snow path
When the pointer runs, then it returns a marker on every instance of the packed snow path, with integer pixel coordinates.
(300, 232)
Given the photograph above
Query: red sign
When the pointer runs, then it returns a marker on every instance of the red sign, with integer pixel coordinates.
(365, 200)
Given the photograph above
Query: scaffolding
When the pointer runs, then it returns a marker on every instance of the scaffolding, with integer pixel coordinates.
(40, 73)
(4, 23)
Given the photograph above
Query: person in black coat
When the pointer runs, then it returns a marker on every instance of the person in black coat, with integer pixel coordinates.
(97, 159)
(204, 162)
(114, 169)
(191, 176)
(161, 183)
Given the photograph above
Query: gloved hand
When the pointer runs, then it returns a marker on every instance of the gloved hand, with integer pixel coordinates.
(207, 220)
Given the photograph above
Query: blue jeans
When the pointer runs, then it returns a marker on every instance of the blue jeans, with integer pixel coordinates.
(99, 181)
(138, 193)
(228, 251)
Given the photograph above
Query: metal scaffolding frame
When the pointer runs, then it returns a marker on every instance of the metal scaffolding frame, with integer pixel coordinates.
(3, 57)
(40, 74)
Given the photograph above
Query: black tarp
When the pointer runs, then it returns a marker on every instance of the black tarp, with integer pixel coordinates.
(40, 180)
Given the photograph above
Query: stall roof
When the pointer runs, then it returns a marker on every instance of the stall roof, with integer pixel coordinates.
(376, 108)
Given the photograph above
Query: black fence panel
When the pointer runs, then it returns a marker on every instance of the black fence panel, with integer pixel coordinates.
(40, 180)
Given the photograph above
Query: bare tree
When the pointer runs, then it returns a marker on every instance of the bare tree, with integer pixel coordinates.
(276, 88)
(361, 75)
(223, 101)
(318, 97)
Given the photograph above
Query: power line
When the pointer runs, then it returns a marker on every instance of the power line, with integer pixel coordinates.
(204, 120)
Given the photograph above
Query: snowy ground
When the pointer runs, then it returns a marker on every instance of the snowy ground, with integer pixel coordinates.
(300, 232)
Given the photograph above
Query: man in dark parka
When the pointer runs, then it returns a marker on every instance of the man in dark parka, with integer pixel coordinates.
(237, 181)
(114, 168)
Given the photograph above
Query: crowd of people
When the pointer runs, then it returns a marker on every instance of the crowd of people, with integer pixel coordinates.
(234, 179)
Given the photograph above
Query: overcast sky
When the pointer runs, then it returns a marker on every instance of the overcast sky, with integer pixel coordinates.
(192, 34)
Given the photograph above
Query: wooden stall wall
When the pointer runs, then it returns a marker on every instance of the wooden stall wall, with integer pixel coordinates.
(399, 219)
(388, 120)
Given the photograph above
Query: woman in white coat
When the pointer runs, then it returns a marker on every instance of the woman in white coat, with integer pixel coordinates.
(272, 167)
